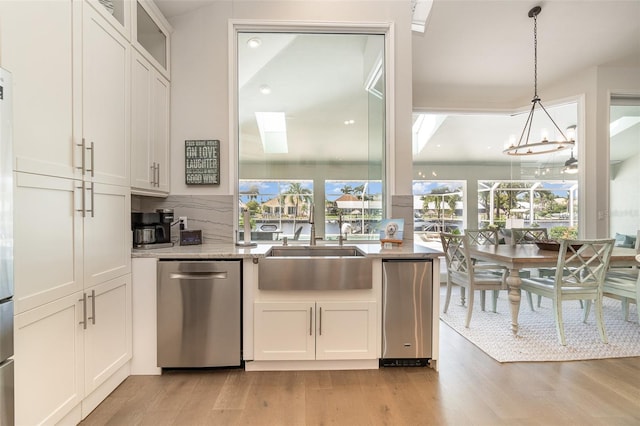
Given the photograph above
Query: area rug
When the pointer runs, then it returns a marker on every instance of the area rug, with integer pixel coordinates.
(537, 340)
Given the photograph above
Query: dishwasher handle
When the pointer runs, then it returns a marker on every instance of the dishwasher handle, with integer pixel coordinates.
(198, 275)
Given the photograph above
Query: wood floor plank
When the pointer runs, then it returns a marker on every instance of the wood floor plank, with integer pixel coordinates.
(233, 394)
(275, 398)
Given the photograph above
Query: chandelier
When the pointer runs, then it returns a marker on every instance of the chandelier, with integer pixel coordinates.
(544, 146)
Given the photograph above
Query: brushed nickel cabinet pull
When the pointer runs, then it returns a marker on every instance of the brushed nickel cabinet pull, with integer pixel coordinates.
(310, 321)
(84, 310)
(158, 174)
(92, 159)
(93, 307)
(82, 164)
(83, 203)
(91, 210)
(153, 174)
(320, 328)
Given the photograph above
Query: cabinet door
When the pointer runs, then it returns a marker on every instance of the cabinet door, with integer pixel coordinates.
(107, 233)
(284, 331)
(160, 130)
(346, 330)
(150, 93)
(105, 100)
(142, 164)
(48, 239)
(49, 361)
(151, 33)
(116, 12)
(108, 333)
(36, 45)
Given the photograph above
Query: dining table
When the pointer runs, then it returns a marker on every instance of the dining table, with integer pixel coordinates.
(524, 256)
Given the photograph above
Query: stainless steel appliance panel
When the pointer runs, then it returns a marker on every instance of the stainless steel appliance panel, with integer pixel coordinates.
(6, 252)
(6, 188)
(7, 393)
(199, 313)
(407, 310)
(6, 329)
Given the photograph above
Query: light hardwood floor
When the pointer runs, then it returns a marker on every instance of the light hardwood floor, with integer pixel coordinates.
(470, 389)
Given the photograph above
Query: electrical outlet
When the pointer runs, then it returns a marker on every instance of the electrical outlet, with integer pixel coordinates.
(183, 222)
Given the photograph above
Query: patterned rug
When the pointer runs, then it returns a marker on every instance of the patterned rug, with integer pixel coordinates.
(537, 340)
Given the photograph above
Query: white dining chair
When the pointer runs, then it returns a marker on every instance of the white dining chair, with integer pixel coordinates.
(487, 237)
(528, 235)
(626, 288)
(462, 271)
(623, 283)
(531, 236)
(579, 275)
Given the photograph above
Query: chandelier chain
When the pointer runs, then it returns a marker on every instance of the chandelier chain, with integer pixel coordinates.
(535, 56)
(523, 147)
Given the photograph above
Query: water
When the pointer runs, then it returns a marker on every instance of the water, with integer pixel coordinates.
(286, 228)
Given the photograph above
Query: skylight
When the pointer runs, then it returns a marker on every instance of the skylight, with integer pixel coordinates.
(273, 132)
(423, 128)
(621, 124)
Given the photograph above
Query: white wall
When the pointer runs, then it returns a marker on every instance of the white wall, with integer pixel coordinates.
(200, 79)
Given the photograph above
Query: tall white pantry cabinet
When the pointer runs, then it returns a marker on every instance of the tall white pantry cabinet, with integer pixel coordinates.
(71, 67)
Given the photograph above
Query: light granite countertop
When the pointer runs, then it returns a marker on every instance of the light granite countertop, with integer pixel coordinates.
(231, 251)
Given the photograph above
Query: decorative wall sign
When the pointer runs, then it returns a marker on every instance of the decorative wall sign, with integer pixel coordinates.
(202, 162)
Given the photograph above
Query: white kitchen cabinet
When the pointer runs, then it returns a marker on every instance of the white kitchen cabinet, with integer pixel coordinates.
(49, 361)
(71, 70)
(36, 46)
(59, 249)
(151, 35)
(116, 12)
(322, 330)
(66, 349)
(150, 150)
(64, 255)
(284, 331)
(107, 233)
(48, 239)
(346, 330)
(108, 330)
(104, 103)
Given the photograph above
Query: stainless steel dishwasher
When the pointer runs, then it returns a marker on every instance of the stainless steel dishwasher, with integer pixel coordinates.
(199, 313)
(407, 312)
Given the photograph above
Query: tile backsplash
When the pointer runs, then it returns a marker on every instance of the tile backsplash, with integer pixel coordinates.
(212, 214)
(402, 208)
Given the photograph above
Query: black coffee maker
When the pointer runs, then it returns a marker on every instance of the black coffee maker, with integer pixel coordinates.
(165, 218)
(152, 230)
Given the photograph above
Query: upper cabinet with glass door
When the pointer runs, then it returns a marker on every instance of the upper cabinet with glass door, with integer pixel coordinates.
(117, 13)
(151, 35)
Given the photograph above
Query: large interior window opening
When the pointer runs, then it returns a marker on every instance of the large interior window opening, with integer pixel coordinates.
(311, 125)
(467, 148)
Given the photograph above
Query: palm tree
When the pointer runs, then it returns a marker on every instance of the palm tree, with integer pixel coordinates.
(347, 189)
(297, 194)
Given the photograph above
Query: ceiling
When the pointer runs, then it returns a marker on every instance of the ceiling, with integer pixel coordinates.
(477, 52)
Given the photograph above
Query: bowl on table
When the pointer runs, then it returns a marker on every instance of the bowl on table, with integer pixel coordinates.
(553, 245)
